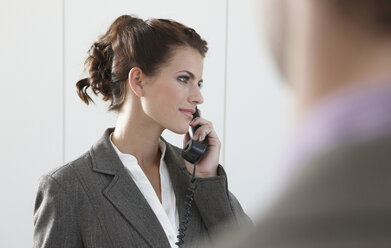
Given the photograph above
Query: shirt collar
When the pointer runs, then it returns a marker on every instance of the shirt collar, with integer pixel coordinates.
(352, 115)
(132, 160)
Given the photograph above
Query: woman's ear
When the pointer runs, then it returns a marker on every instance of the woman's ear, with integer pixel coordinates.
(135, 80)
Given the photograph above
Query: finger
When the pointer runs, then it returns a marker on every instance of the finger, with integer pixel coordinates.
(199, 121)
(202, 132)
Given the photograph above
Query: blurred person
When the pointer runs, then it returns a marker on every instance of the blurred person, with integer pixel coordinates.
(130, 188)
(336, 57)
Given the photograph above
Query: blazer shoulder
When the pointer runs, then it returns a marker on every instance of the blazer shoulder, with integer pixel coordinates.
(66, 175)
(345, 179)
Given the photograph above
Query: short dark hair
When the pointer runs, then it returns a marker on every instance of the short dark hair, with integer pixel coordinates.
(130, 42)
(374, 15)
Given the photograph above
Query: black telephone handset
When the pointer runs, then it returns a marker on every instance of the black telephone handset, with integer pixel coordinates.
(193, 152)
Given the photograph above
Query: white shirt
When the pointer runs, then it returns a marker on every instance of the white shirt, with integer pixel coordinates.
(166, 211)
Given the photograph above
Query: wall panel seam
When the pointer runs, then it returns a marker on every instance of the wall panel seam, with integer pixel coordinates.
(225, 82)
(63, 82)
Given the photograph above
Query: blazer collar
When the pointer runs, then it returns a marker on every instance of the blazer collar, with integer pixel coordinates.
(124, 194)
(104, 158)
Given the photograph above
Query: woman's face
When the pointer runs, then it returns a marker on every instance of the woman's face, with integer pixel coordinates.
(170, 96)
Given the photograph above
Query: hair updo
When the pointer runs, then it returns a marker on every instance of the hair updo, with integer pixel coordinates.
(130, 42)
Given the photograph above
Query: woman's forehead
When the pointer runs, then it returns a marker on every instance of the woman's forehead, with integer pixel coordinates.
(186, 59)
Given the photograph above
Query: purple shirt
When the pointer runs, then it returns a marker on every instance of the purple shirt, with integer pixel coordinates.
(352, 115)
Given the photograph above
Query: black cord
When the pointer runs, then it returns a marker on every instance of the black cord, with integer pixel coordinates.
(187, 209)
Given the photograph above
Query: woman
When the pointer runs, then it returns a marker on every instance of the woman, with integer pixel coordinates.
(130, 188)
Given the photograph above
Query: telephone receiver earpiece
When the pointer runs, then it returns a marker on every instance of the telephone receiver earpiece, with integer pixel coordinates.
(194, 150)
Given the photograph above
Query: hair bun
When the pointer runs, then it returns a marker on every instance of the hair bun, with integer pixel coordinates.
(99, 65)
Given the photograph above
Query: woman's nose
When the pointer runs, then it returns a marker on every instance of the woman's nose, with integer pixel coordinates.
(196, 96)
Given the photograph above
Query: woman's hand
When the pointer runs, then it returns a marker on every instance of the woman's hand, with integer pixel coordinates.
(207, 167)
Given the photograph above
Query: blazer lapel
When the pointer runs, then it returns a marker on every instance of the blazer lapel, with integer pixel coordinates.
(124, 194)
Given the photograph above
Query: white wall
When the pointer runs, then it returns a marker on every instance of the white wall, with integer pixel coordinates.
(31, 109)
(256, 110)
(44, 124)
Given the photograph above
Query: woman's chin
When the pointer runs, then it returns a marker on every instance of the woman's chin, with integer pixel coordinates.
(179, 130)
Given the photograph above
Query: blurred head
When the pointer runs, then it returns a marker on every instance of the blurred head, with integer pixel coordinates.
(321, 46)
(155, 63)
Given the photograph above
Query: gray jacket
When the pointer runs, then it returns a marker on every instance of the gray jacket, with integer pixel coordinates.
(339, 199)
(93, 202)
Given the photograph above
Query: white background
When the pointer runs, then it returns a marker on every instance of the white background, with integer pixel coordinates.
(44, 125)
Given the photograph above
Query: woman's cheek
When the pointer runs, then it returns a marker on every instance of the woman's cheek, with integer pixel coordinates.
(174, 91)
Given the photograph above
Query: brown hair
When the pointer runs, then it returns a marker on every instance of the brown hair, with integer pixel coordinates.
(374, 15)
(130, 42)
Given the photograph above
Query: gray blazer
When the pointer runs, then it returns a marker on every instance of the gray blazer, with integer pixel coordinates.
(93, 202)
(340, 199)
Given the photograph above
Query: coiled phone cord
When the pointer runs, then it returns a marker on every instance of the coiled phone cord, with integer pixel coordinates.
(187, 209)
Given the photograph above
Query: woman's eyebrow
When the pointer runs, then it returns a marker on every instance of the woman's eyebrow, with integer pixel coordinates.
(188, 72)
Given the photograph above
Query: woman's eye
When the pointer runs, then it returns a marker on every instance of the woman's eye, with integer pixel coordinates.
(183, 79)
(200, 85)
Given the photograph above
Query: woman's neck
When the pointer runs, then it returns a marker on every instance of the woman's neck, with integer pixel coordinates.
(138, 135)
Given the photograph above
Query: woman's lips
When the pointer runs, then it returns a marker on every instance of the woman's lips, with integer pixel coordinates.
(187, 112)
